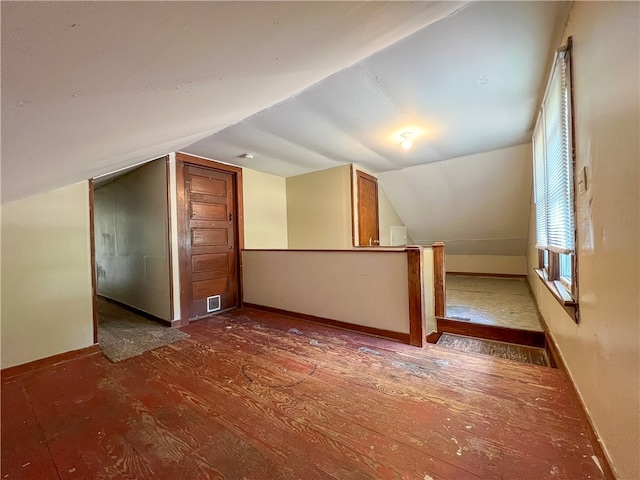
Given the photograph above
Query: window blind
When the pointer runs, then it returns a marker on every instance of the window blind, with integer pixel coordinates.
(553, 163)
(540, 184)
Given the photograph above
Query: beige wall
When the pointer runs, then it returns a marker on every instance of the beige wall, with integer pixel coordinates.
(503, 264)
(132, 240)
(357, 287)
(46, 275)
(603, 351)
(319, 209)
(265, 210)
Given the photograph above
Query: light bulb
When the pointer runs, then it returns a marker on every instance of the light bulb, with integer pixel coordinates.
(406, 141)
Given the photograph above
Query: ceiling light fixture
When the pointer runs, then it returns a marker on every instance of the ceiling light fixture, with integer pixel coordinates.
(248, 156)
(406, 141)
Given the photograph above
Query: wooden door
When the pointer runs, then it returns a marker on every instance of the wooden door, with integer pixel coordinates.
(368, 229)
(211, 270)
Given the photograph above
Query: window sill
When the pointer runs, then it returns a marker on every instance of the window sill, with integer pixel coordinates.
(560, 293)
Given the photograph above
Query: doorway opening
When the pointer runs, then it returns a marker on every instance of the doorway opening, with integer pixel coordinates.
(133, 301)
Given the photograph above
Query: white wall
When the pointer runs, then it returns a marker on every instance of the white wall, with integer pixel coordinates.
(428, 284)
(502, 264)
(46, 275)
(132, 240)
(387, 217)
(357, 287)
(265, 210)
(319, 209)
(602, 353)
(477, 204)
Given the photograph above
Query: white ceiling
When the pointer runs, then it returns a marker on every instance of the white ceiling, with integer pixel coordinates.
(92, 87)
(469, 83)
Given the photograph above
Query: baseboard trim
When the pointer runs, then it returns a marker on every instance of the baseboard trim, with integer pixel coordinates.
(142, 313)
(12, 372)
(554, 353)
(557, 361)
(433, 337)
(376, 332)
(499, 275)
(490, 332)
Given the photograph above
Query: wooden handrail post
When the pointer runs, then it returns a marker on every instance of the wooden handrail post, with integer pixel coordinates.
(439, 272)
(416, 296)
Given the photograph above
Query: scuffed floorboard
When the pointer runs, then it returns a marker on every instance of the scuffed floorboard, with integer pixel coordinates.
(254, 395)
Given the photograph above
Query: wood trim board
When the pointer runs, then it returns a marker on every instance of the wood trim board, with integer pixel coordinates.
(94, 283)
(12, 372)
(416, 297)
(433, 337)
(388, 334)
(355, 249)
(491, 332)
(556, 361)
(353, 204)
(497, 275)
(170, 220)
(439, 274)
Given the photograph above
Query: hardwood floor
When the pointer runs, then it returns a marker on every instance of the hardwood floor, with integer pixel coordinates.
(255, 395)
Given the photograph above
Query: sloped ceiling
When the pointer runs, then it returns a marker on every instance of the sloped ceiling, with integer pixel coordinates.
(91, 87)
(468, 86)
(477, 204)
(469, 83)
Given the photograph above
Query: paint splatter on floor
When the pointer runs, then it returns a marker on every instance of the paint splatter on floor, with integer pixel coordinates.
(368, 350)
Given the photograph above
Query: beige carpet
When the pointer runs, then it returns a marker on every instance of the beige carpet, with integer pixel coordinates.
(123, 334)
(504, 302)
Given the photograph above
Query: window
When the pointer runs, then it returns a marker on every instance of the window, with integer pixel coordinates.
(553, 166)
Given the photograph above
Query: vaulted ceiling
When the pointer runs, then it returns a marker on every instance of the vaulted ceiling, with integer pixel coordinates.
(469, 83)
(93, 87)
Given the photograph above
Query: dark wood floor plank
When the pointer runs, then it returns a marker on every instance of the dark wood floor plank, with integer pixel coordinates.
(231, 456)
(434, 367)
(260, 396)
(372, 410)
(269, 426)
(283, 323)
(90, 443)
(24, 449)
(300, 408)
